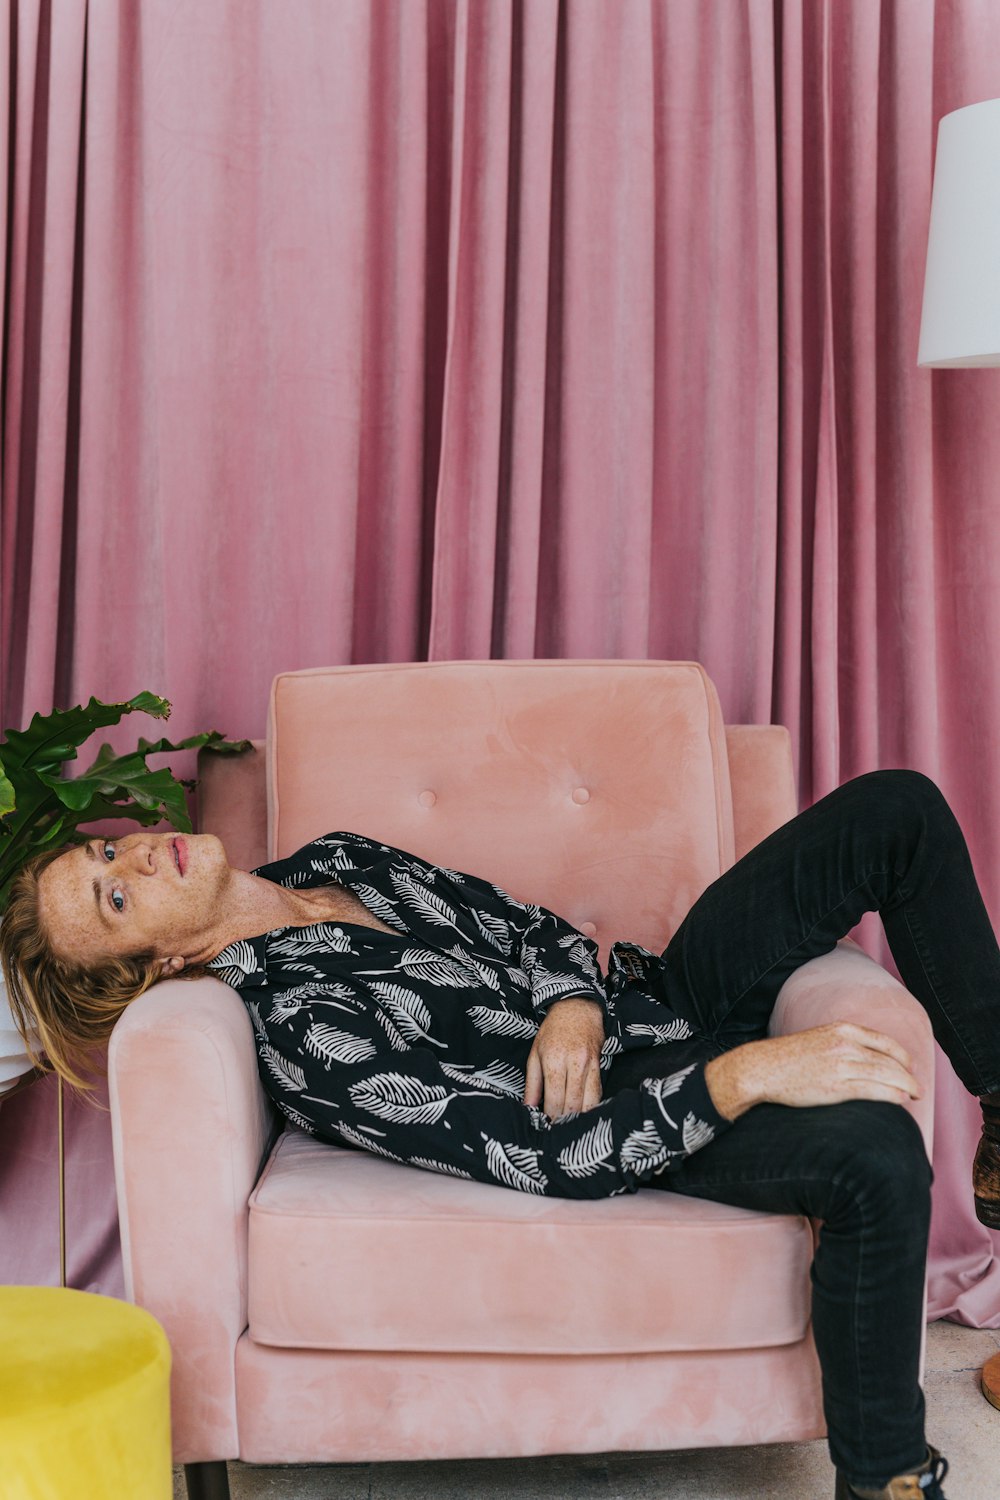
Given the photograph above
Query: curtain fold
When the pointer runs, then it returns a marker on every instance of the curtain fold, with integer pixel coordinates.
(454, 329)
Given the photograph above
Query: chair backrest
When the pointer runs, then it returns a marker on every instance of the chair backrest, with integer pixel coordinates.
(598, 789)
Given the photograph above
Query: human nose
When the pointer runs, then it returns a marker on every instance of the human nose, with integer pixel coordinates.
(140, 857)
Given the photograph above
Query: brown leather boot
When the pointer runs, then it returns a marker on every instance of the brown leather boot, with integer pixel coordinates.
(986, 1167)
(920, 1484)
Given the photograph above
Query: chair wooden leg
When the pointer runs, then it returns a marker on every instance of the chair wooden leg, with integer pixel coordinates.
(207, 1481)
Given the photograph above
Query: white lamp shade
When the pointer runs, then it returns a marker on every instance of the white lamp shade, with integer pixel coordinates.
(960, 323)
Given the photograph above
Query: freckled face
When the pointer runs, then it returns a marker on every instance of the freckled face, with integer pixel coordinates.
(140, 892)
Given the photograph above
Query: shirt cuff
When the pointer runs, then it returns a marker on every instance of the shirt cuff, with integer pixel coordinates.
(581, 992)
(697, 1096)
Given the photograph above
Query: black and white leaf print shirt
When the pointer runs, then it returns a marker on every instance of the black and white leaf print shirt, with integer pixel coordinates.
(413, 1044)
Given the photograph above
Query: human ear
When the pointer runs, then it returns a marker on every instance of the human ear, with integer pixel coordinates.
(172, 965)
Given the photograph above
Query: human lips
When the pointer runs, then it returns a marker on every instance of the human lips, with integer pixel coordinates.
(180, 855)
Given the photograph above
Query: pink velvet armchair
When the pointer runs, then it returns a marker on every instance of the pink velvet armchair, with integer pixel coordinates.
(326, 1306)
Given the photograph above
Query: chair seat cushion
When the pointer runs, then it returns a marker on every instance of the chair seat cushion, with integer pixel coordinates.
(348, 1251)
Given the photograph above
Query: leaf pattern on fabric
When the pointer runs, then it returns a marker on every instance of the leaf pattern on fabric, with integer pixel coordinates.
(515, 1166)
(507, 898)
(408, 1011)
(440, 1166)
(696, 1133)
(333, 1045)
(414, 867)
(310, 969)
(319, 937)
(378, 905)
(488, 976)
(428, 903)
(287, 1003)
(365, 1142)
(673, 1031)
(662, 1088)
(230, 975)
(529, 958)
(494, 929)
(545, 986)
(421, 963)
(464, 962)
(579, 953)
(297, 1118)
(642, 1149)
(341, 860)
(501, 1022)
(397, 1041)
(286, 1073)
(506, 1078)
(240, 956)
(396, 1096)
(589, 1152)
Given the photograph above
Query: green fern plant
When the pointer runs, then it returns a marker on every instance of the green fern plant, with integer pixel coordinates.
(41, 805)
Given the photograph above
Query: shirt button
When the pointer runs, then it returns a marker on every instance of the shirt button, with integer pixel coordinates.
(581, 794)
(427, 799)
(588, 928)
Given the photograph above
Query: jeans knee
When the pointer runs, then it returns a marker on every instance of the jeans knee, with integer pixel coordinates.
(904, 793)
(882, 1159)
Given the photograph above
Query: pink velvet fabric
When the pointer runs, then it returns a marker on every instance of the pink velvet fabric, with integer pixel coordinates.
(419, 1265)
(302, 1406)
(510, 384)
(565, 778)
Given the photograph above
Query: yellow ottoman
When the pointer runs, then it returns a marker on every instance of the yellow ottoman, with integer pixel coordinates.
(84, 1398)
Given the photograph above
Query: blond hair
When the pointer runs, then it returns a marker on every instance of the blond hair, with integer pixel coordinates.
(73, 1007)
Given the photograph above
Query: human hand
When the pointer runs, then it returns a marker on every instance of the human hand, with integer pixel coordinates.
(565, 1058)
(822, 1065)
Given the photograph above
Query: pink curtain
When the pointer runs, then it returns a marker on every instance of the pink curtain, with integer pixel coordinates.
(433, 329)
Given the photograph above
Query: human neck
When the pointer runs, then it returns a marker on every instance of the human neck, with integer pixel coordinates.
(253, 905)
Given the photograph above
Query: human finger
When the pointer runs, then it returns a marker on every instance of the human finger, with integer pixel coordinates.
(878, 1041)
(885, 1071)
(533, 1079)
(555, 1088)
(592, 1089)
(577, 1070)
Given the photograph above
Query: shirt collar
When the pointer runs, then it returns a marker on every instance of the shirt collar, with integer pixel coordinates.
(243, 962)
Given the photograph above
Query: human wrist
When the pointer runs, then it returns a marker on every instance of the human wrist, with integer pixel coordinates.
(577, 1000)
(730, 1082)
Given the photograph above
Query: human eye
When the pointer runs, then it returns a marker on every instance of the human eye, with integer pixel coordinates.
(116, 897)
(105, 846)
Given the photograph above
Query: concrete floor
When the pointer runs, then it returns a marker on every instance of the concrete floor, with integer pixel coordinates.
(960, 1422)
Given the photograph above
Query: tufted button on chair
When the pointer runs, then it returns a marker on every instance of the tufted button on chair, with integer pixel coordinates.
(325, 1306)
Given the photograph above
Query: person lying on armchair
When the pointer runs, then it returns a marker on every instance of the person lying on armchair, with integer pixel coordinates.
(427, 1016)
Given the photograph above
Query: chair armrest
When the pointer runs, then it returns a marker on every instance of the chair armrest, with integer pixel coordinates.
(847, 985)
(191, 1128)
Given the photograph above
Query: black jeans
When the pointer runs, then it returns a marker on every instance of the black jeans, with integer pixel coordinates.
(885, 841)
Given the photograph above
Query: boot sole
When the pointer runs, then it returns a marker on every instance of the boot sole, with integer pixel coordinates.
(988, 1213)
